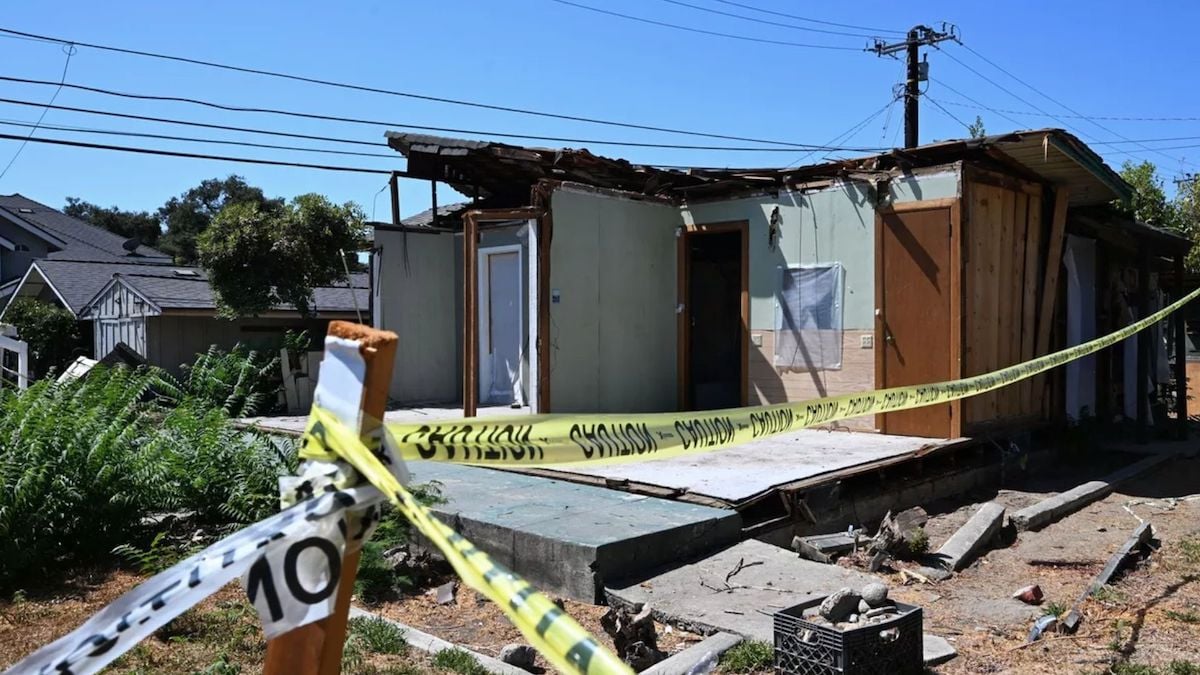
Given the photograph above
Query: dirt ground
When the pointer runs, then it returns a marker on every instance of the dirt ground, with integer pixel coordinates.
(474, 623)
(1150, 616)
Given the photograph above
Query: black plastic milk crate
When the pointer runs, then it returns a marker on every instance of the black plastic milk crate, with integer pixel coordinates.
(892, 647)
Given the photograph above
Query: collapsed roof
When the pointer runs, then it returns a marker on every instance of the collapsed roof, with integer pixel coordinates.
(505, 173)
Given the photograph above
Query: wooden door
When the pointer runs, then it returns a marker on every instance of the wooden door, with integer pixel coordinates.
(913, 326)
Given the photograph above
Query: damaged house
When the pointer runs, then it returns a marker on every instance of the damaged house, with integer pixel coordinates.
(578, 283)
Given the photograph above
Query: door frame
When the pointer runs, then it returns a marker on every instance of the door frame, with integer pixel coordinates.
(683, 330)
(956, 299)
(484, 316)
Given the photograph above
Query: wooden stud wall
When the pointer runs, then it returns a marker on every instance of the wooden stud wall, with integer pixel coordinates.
(1003, 281)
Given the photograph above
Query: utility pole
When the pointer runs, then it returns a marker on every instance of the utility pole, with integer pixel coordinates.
(917, 71)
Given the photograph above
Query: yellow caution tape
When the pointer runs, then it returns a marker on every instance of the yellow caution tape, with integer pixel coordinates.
(567, 646)
(540, 440)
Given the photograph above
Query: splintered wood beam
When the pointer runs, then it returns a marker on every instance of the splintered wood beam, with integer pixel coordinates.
(316, 648)
(1058, 227)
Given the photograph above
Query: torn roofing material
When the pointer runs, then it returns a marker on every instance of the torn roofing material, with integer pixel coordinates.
(506, 173)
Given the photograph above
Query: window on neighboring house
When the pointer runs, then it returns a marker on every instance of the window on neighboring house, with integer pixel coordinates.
(808, 317)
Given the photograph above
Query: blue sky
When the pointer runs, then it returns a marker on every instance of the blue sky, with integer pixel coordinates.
(1099, 58)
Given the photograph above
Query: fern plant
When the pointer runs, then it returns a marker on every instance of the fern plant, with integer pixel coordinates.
(84, 463)
(242, 382)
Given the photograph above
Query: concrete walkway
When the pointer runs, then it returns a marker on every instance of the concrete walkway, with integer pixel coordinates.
(572, 539)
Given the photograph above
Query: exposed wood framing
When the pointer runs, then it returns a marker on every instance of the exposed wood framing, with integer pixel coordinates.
(541, 198)
(1058, 225)
(473, 221)
(1004, 306)
(470, 394)
(956, 309)
(922, 205)
(316, 649)
(394, 184)
(1032, 249)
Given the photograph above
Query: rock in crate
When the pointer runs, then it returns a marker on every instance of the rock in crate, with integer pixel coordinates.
(884, 643)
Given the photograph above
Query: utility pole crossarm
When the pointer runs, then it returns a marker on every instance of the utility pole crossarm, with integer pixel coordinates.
(915, 74)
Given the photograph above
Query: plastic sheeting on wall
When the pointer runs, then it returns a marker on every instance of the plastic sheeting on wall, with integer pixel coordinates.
(808, 317)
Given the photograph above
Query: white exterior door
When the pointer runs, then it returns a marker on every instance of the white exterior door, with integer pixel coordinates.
(500, 325)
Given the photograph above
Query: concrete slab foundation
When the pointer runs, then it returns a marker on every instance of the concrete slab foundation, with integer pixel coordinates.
(698, 597)
(570, 539)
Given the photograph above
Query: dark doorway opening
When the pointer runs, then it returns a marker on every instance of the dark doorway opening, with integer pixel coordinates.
(713, 318)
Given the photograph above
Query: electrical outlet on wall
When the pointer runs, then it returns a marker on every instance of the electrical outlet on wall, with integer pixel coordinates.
(866, 341)
(756, 339)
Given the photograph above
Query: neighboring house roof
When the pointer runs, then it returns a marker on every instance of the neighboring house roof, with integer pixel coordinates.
(187, 288)
(76, 282)
(76, 239)
(425, 218)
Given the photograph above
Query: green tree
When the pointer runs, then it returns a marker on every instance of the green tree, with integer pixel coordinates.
(259, 255)
(1149, 203)
(51, 332)
(976, 128)
(191, 213)
(141, 225)
(1187, 211)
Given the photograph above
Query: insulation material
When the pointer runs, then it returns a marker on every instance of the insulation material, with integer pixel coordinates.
(808, 317)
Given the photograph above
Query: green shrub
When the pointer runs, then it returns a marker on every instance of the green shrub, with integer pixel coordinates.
(51, 331)
(241, 382)
(749, 656)
(83, 463)
(75, 473)
(458, 661)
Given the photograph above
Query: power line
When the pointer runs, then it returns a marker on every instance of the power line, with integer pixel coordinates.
(810, 20)
(1019, 124)
(1171, 147)
(388, 92)
(765, 21)
(192, 155)
(947, 113)
(205, 125)
(1053, 100)
(1001, 87)
(401, 125)
(689, 29)
(846, 134)
(70, 51)
(193, 139)
(1107, 118)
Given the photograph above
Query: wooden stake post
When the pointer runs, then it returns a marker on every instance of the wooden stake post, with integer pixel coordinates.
(316, 649)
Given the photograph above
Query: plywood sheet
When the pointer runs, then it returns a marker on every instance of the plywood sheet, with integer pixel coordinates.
(737, 474)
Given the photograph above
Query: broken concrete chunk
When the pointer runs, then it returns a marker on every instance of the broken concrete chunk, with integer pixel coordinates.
(911, 519)
(840, 605)
(875, 594)
(863, 606)
(521, 656)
